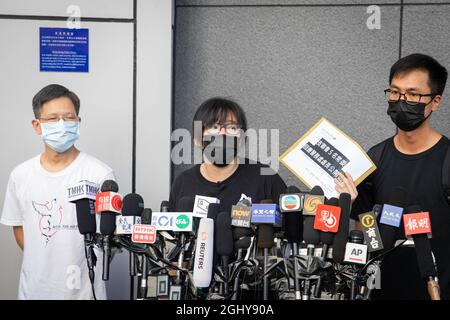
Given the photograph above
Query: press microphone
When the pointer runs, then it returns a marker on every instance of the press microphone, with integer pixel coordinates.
(223, 240)
(241, 222)
(265, 212)
(291, 204)
(390, 217)
(213, 211)
(242, 241)
(164, 207)
(310, 234)
(417, 225)
(265, 242)
(241, 214)
(311, 237)
(146, 219)
(132, 207)
(204, 250)
(108, 204)
(355, 253)
(185, 204)
(341, 238)
(369, 227)
(83, 195)
(377, 208)
(326, 238)
(200, 205)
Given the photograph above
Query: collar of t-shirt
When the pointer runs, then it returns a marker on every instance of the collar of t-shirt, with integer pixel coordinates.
(441, 143)
(75, 163)
(219, 183)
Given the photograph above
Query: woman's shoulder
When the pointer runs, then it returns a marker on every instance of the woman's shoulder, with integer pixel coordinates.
(186, 175)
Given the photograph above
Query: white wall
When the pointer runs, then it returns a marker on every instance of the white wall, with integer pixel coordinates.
(106, 94)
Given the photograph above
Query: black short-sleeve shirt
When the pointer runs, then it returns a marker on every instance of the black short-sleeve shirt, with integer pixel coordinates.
(247, 179)
(421, 175)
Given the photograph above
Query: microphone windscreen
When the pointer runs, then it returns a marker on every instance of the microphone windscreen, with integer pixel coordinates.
(423, 249)
(213, 211)
(86, 216)
(292, 189)
(317, 191)
(310, 235)
(245, 202)
(293, 227)
(164, 207)
(107, 223)
(341, 238)
(333, 202)
(424, 256)
(223, 235)
(293, 221)
(239, 232)
(328, 237)
(146, 217)
(109, 186)
(132, 205)
(185, 204)
(243, 243)
(265, 236)
(377, 210)
(356, 236)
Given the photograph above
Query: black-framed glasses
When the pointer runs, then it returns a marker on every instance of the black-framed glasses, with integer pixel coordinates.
(232, 129)
(393, 95)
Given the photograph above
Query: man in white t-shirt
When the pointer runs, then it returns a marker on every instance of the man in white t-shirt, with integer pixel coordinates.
(36, 204)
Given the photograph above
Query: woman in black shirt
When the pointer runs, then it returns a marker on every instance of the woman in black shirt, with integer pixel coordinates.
(223, 174)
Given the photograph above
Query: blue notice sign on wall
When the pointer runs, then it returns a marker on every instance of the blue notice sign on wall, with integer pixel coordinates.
(64, 50)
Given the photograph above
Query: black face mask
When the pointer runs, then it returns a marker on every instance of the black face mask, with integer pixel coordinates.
(220, 149)
(407, 117)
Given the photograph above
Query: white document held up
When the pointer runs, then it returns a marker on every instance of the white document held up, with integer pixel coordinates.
(322, 153)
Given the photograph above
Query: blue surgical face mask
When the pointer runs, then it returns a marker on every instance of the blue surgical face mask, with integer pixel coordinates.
(61, 135)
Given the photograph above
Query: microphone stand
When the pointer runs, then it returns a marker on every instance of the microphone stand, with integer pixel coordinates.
(106, 257)
(295, 251)
(180, 258)
(236, 279)
(307, 287)
(91, 259)
(266, 276)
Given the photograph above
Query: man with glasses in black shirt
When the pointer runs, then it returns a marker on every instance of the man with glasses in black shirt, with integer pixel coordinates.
(413, 159)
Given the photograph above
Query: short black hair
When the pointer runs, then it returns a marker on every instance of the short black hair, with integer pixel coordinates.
(50, 92)
(217, 110)
(437, 74)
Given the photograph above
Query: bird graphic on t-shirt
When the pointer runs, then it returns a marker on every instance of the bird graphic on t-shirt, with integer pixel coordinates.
(50, 215)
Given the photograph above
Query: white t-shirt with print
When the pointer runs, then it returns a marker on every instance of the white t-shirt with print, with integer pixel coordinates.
(54, 262)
